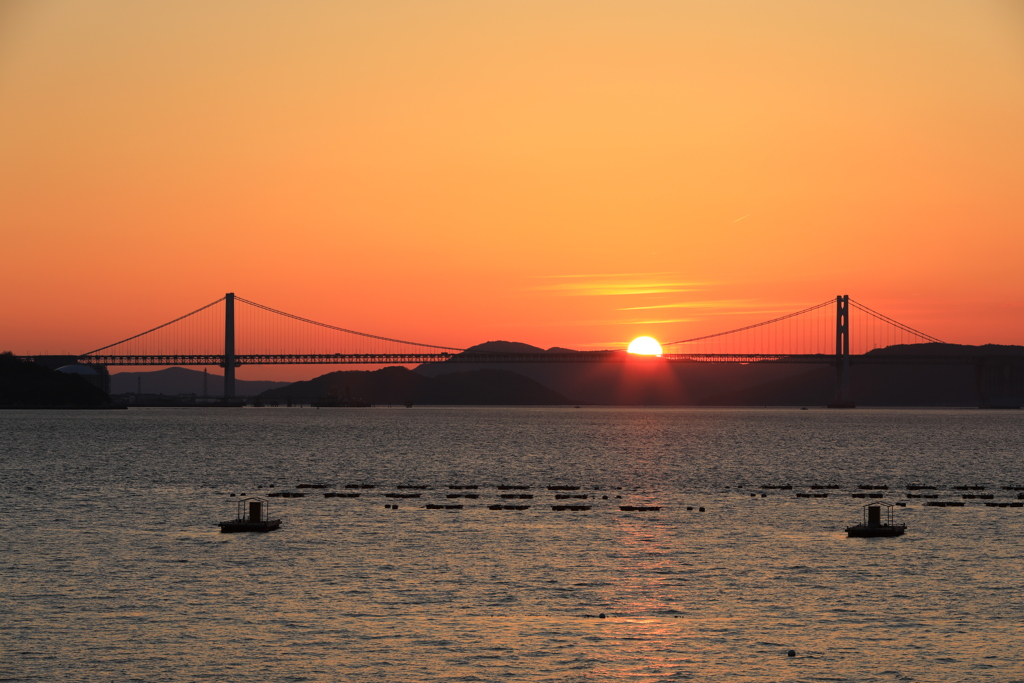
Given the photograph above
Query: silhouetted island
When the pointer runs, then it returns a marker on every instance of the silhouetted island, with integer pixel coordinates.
(24, 384)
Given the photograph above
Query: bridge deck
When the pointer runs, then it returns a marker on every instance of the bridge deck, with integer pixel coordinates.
(575, 357)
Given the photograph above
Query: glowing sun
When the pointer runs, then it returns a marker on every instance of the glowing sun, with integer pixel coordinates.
(645, 346)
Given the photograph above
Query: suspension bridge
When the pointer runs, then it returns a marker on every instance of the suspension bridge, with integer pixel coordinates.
(233, 331)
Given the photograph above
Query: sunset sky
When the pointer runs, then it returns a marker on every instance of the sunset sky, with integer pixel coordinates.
(553, 172)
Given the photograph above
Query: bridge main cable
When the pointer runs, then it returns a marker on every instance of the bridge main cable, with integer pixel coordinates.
(895, 323)
(750, 327)
(158, 327)
(342, 329)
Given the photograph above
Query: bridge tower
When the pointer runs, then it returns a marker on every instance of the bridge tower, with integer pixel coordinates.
(229, 345)
(842, 399)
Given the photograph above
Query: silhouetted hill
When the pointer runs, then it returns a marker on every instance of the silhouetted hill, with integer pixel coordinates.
(30, 385)
(397, 385)
(659, 383)
(175, 381)
(650, 382)
(506, 347)
(940, 349)
(870, 385)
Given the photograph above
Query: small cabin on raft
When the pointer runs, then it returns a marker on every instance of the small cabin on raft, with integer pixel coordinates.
(873, 525)
(253, 514)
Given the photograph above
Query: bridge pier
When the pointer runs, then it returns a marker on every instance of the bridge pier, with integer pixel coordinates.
(229, 346)
(842, 397)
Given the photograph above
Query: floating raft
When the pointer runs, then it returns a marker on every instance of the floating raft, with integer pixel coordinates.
(252, 515)
(872, 527)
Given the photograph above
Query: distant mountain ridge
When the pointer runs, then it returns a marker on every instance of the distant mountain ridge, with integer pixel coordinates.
(398, 385)
(176, 381)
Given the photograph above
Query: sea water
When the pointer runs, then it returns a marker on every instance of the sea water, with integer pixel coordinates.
(112, 567)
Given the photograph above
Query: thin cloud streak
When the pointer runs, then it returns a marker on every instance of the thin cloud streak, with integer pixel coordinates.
(619, 284)
(601, 323)
(723, 303)
(619, 289)
(732, 306)
(604, 275)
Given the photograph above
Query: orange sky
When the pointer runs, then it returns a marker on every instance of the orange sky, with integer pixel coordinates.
(553, 172)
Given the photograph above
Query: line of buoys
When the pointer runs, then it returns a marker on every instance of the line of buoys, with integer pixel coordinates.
(641, 508)
(572, 508)
(560, 487)
(524, 496)
(978, 496)
(457, 487)
(968, 488)
(1005, 505)
(310, 486)
(565, 496)
(391, 507)
(783, 487)
(944, 503)
(402, 495)
(463, 495)
(285, 494)
(360, 486)
(508, 507)
(511, 487)
(919, 487)
(872, 487)
(434, 506)
(421, 487)
(341, 495)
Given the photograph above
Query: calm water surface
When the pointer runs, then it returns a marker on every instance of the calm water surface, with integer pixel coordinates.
(112, 567)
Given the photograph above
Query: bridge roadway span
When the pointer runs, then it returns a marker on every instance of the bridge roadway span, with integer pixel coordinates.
(541, 357)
